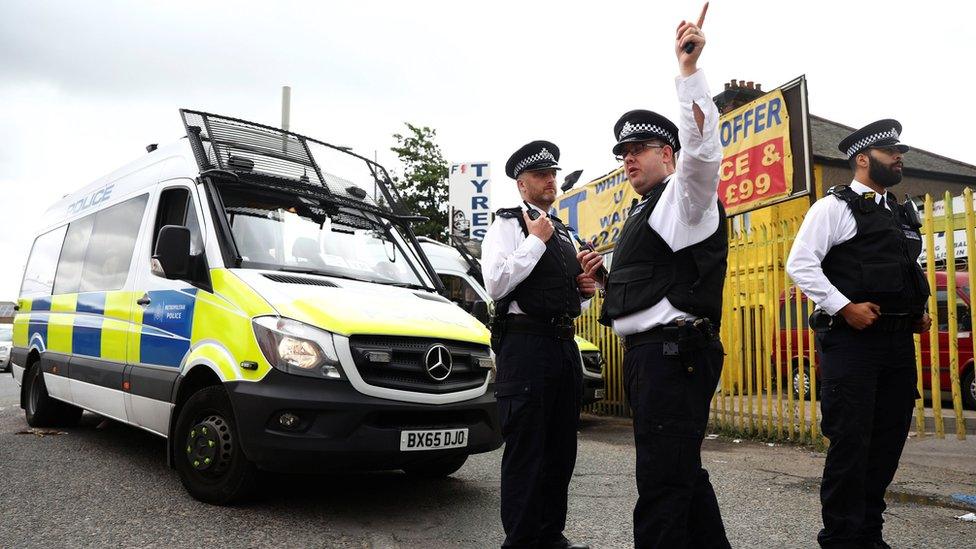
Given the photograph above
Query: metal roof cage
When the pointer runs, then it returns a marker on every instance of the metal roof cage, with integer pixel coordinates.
(287, 161)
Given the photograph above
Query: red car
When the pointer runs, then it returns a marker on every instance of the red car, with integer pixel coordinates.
(790, 362)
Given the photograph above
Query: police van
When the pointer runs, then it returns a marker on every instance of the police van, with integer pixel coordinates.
(460, 272)
(241, 293)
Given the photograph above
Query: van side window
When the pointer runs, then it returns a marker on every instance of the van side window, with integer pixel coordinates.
(42, 263)
(72, 259)
(110, 248)
(176, 208)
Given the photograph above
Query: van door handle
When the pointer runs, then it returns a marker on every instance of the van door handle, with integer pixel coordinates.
(144, 300)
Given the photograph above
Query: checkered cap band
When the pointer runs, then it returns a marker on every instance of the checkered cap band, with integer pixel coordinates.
(544, 154)
(865, 142)
(629, 129)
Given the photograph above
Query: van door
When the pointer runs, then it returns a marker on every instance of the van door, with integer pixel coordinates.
(101, 302)
(163, 318)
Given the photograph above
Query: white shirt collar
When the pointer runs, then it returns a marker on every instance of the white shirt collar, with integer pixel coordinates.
(861, 188)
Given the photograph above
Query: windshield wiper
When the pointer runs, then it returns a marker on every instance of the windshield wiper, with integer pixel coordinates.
(408, 285)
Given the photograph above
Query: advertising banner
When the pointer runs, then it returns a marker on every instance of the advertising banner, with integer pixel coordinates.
(469, 185)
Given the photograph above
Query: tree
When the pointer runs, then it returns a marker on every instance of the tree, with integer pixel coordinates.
(424, 184)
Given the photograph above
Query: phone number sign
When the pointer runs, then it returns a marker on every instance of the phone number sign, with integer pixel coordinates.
(757, 164)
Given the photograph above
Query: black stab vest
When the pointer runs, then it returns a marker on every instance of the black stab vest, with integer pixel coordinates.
(880, 264)
(550, 290)
(645, 270)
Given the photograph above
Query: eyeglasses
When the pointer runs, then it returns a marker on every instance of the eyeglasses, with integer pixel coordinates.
(636, 149)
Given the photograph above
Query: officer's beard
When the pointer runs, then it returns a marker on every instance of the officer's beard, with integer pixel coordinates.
(884, 175)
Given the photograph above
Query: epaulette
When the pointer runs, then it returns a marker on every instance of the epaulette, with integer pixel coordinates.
(858, 203)
(509, 213)
(844, 192)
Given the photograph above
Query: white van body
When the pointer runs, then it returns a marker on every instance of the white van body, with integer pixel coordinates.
(230, 293)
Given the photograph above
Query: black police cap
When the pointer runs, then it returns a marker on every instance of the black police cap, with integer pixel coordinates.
(883, 133)
(537, 155)
(641, 125)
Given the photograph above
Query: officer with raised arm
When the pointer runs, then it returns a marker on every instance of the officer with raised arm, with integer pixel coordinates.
(664, 298)
(532, 273)
(855, 256)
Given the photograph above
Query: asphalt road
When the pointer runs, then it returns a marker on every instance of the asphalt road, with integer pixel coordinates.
(105, 484)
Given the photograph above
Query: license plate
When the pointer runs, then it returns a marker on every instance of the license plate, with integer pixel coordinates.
(598, 394)
(433, 440)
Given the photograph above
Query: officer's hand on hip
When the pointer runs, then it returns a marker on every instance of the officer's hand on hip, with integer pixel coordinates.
(591, 262)
(860, 315)
(923, 324)
(541, 227)
(586, 285)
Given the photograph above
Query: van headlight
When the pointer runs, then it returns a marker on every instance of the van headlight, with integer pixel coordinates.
(297, 348)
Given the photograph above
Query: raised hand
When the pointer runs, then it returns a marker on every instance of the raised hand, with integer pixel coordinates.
(541, 227)
(689, 41)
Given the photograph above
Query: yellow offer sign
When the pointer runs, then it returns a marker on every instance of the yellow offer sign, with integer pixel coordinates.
(757, 164)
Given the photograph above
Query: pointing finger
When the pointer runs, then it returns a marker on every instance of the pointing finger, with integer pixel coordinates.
(701, 18)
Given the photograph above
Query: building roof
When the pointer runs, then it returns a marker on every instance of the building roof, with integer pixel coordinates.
(826, 134)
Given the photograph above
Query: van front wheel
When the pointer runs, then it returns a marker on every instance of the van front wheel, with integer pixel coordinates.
(209, 458)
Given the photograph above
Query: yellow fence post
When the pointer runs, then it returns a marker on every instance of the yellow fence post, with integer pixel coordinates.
(788, 328)
(779, 236)
(967, 197)
(950, 228)
(934, 313)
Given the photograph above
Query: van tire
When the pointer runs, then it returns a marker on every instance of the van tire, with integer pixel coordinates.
(42, 410)
(437, 467)
(968, 385)
(217, 473)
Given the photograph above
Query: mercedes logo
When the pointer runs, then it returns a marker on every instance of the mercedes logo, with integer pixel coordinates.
(438, 362)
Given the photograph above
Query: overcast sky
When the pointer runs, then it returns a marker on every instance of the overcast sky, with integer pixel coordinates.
(84, 86)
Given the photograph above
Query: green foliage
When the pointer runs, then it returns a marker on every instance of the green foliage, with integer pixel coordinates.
(423, 185)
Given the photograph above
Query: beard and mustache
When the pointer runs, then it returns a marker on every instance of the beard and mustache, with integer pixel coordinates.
(882, 174)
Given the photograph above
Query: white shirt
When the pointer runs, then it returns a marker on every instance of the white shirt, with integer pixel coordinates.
(508, 257)
(688, 209)
(829, 222)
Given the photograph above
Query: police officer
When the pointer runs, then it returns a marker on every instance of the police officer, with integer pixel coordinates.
(664, 298)
(855, 256)
(532, 273)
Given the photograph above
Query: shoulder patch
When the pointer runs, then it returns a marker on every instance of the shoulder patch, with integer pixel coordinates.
(509, 213)
(843, 192)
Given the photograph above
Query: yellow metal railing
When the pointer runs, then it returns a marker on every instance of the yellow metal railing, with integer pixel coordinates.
(769, 381)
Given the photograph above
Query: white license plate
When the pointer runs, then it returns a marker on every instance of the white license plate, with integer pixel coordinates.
(433, 440)
(598, 394)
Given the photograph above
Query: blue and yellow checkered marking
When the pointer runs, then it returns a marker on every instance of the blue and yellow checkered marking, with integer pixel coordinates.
(104, 324)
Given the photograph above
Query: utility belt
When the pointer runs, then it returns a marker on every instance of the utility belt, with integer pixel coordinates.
(820, 321)
(675, 336)
(560, 327)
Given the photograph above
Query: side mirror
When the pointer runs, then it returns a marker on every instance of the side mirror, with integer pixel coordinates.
(479, 310)
(172, 256)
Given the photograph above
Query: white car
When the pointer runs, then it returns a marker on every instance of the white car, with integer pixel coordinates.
(6, 339)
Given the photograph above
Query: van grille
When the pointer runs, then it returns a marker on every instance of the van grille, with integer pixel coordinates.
(406, 370)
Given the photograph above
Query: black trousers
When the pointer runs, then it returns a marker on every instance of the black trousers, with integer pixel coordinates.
(676, 505)
(539, 388)
(868, 393)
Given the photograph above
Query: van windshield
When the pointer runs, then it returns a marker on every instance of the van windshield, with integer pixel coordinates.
(297, 234)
